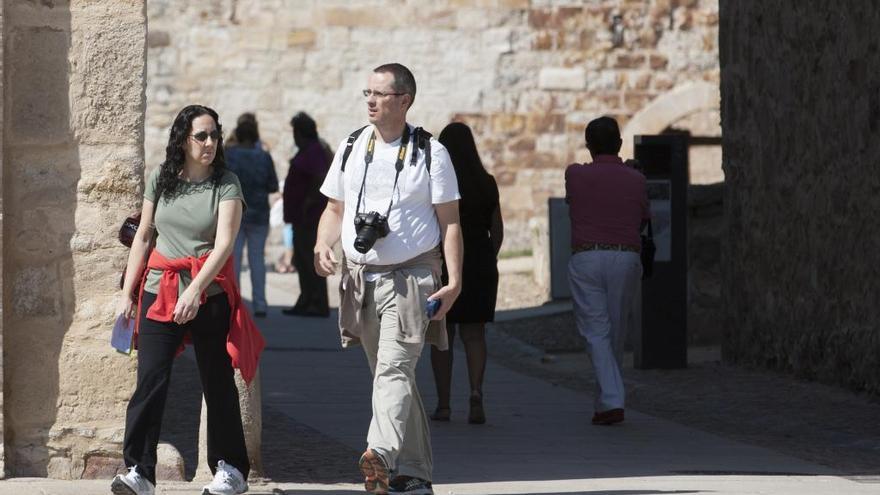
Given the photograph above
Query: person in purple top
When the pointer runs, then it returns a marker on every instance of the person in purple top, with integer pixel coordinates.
(608, 207)
(303, 205)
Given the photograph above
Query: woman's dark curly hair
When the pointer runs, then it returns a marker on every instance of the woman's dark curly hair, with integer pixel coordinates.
(175, 156)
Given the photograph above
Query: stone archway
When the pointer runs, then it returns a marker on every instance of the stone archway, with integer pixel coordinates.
(682, 101)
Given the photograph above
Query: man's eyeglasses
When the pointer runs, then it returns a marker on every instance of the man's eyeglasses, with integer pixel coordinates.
(379, 94)
(203, 136)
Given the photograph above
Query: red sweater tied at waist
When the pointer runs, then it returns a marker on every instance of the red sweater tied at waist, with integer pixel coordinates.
(244, 343)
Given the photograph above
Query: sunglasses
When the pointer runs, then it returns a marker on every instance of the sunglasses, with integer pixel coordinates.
(203, 136)
(378, 94)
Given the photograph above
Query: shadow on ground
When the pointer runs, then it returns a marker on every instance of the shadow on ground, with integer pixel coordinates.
(823, 424)
(292, 452)
(622, 492)
(600, 492)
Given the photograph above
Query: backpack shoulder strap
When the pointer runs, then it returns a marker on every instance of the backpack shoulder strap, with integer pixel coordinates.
(423, 138)
(350, 144)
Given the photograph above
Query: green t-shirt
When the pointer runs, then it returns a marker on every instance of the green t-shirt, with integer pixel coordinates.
(186, 222)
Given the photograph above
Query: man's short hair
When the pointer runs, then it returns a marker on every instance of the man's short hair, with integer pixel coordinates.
(603, 136)
(404, 81)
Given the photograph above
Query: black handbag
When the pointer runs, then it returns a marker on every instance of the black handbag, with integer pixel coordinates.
(648, 251)
(129, 229)
(126, 236)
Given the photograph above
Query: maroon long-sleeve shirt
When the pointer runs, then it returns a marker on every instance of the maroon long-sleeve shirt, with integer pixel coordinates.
(303, 203)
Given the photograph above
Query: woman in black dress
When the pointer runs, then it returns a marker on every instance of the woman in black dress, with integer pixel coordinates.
(482, 230)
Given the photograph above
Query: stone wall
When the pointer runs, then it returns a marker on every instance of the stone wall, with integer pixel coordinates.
(801, 115)
(526, 75)
(705, 229)
(72, 167)
(2, 115)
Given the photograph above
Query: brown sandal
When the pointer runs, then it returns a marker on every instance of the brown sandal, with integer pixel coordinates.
(375, 472)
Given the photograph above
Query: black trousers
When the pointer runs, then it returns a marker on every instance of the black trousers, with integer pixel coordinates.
(157, 346)
(313, 287)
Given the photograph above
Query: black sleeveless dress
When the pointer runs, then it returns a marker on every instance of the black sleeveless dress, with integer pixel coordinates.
(476, 303)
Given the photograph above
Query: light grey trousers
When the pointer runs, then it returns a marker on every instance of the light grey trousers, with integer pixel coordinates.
(604, 285)
(399, 428)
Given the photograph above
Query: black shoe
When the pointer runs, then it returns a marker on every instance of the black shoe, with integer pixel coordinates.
(318, 313)
(477, 415)
(294, 311)
(259, 314)
(441, 414)
(405, 485)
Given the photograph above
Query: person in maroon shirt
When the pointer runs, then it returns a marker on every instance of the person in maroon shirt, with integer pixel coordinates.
(303, 205)
(608, 207)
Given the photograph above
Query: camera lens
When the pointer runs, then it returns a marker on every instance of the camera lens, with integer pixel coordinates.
(365, 239)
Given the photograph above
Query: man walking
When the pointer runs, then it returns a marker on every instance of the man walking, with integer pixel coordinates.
(393, 198)
(608, 207)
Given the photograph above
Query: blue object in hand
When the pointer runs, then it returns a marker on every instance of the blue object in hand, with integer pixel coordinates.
(431, 307)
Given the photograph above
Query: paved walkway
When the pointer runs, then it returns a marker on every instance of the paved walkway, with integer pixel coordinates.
(537, 440)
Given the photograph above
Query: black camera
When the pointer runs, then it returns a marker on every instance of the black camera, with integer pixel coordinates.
(368, 228)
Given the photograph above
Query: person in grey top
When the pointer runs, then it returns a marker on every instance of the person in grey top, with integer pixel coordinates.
(256, 172)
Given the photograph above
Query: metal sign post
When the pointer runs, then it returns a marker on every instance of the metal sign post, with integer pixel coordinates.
(661, 339)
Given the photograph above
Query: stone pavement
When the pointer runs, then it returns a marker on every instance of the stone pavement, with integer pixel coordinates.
(537, 440)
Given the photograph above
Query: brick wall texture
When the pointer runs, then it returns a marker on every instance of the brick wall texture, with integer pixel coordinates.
(801, 115)
(526, 75)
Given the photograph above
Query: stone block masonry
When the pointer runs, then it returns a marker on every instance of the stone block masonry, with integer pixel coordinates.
(73, 88)
(2, 251)
(801, 112)
(523, 74)
(72, 168)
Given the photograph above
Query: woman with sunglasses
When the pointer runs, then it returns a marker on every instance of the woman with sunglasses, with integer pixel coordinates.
(188, 294)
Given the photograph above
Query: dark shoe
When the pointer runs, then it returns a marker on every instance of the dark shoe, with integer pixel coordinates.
(609, 417)
(318, 313)
(406, 485)
(293, 311)
(477, 415)
(375, 472)
(441, 414)
(259, 314)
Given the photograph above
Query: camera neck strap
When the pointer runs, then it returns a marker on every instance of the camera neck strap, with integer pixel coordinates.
(398, 166)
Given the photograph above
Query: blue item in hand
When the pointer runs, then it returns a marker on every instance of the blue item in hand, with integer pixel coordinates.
(431, 307)
(122, 334)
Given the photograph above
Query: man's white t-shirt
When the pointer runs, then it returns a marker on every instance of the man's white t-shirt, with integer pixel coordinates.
(412, 222)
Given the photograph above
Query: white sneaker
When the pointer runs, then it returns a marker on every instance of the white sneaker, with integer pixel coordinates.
(131, 483)
(227, 481)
